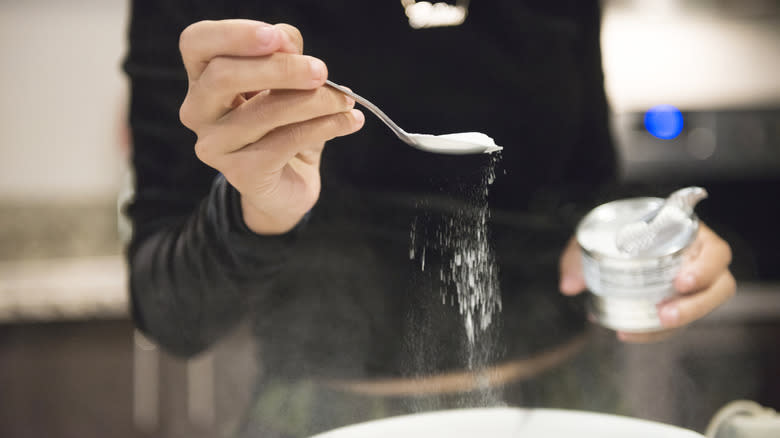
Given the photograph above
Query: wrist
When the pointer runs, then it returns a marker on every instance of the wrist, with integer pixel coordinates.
(260, 222)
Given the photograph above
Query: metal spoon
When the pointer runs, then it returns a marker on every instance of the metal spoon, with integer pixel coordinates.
(659, 227)
(452, 144)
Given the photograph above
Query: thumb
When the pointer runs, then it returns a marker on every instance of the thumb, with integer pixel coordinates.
(572, 280)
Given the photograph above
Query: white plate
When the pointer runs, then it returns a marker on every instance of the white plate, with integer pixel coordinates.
(510, 423)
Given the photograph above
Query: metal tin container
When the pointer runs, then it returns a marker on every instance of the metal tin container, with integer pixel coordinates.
(627, 288)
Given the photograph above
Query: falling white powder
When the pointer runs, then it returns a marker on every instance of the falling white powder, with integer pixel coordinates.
(472, 271)
(469, 266)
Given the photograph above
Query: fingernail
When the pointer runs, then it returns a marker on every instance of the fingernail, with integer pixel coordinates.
(265, 35)
(669, 315)
(317, 68)
(350, 101)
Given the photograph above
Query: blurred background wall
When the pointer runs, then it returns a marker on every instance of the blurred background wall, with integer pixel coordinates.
(698, 54)
(70, 364)
(66, 352)
(63, 98)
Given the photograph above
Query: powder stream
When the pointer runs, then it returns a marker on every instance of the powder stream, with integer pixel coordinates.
(470, 270)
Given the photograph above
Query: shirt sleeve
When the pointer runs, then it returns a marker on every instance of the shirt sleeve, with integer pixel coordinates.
(193, 263)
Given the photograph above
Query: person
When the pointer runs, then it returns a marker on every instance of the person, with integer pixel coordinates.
(242, 211)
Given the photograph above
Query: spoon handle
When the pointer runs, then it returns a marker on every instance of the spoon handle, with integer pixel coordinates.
(403, 135)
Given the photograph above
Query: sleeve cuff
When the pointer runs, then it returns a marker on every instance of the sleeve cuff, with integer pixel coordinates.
(227, 213)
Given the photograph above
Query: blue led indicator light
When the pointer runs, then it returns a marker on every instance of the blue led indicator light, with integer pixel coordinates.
(664, 121)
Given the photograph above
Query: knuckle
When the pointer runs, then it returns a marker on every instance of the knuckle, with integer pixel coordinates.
(203, 151)
(731, 284)
(218, 75)
(295, 35)
(727, 252)
(267, 114)
(337, 100)
(314, 102)
(262, 113)
(297, 134)
(294, 68)
(337, 124)
(207, 150)
(343, 122)
(287, 65)
(323, 98)
(333, 124)
(188, 37)
(187, 113)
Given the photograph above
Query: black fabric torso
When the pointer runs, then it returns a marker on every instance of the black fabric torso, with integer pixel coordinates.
(350, 302)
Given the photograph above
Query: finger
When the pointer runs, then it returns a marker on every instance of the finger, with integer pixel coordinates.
(644, 338)
(229, 75)
(214, 93)
(572, 280)
(200, 42)
(268, 111)
(685, 309)
(292, 41)
(277, 148)
(710, 257)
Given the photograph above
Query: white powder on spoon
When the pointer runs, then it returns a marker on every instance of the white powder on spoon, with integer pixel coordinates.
(458, 143)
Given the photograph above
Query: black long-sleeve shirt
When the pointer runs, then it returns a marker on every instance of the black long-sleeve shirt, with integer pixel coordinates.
(339, 296)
